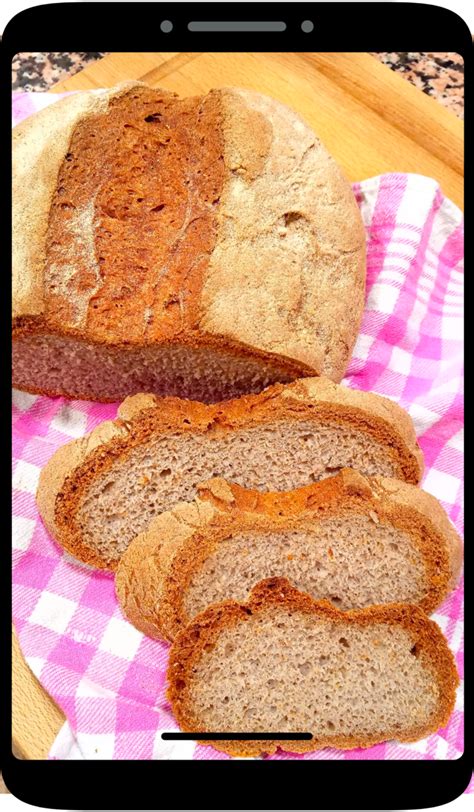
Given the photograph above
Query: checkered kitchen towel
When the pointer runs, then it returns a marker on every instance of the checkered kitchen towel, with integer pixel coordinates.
(106, 676)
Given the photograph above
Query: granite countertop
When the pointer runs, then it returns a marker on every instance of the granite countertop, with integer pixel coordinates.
(440, 75)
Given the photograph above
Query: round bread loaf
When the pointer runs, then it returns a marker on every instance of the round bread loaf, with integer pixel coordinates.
(202, 247)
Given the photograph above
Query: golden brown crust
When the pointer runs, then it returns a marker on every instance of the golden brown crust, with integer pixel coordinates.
(407, 499)
(382, 409)
(67, 460)
(136, 219)
(39, 145)
(185, 653)
(279, 190)
(172, 550)
(319, 400)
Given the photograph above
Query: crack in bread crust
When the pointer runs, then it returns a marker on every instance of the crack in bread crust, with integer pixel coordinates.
(124, 221)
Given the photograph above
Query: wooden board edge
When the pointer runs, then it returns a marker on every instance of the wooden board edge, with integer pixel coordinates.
(36, 718)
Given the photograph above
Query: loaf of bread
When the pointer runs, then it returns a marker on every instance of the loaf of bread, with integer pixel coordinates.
(284, 663)
(353, 540)
(202, 247)
(98, 492)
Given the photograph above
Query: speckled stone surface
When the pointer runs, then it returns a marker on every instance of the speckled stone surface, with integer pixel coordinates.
(39, 71)
(441, 75)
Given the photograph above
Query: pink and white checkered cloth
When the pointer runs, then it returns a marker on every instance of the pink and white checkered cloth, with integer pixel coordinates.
(107, 677)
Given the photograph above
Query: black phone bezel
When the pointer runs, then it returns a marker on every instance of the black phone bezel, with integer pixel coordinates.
(362, 27)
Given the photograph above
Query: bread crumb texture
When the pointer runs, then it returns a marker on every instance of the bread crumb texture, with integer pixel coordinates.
(97, 493)
(283, 662)
(350, 547)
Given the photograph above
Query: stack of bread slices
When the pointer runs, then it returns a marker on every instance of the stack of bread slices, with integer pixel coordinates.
(205, 257)
(280, 541)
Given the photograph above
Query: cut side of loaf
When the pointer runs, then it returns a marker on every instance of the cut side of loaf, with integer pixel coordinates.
(285, 663)
(98, 492)
(51, 364)
(200, 247)
(350, 539)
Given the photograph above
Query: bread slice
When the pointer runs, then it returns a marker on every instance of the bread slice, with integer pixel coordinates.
(97, 493)
(202, 247)
(353, 540)
(285, 663)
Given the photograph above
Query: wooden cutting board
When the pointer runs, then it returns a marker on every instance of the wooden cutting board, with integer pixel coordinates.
(371, 120)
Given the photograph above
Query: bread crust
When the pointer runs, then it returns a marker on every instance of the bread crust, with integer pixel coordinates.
(284, 190)
(156, 570)
(67, 476)
(284, 201)
(39, 145)
(188, 647)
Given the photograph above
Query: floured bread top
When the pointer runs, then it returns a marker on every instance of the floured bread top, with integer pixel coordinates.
(212, 219)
